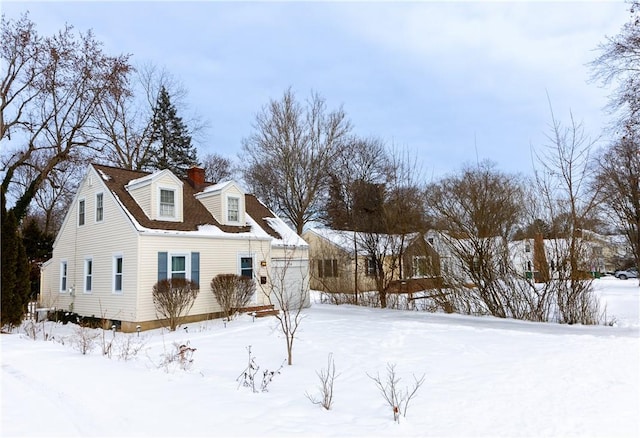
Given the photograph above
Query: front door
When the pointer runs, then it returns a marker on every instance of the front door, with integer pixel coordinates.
(246, 270)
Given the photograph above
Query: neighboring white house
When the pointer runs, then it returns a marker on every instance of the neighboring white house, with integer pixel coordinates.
(597, 254)
(128, 229)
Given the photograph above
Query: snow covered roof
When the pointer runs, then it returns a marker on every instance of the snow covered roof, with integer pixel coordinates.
(344, 239)
(146, 179)
(340, 238)
(288, 237)
(217, 187)
(197, 220)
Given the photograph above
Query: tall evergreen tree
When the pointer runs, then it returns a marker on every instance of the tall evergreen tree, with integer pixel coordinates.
(338, 214)
(38, 246)
(15, 273)
(170, 138)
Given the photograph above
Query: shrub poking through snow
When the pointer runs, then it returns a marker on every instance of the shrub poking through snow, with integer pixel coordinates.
(129, 346)
(42, 329)
(31, 328)
(327, 378)
(248, 377)
(84, 339)
(181, 356)
(397, 398)
(107, 340)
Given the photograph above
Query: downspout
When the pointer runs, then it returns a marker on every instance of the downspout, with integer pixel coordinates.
(72, 289)
(355, 277)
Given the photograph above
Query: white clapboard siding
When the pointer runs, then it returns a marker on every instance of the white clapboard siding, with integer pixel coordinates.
(217, 256)
(100, 241)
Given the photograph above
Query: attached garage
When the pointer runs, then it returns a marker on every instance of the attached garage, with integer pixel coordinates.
(290, 281)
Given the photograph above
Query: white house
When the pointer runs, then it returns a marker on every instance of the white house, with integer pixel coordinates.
(128, 229)
(597, 254)
(531, 256)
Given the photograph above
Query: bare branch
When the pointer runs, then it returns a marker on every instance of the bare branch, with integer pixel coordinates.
(287, 159)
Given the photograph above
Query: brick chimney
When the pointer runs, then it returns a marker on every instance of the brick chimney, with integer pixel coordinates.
(195, 175)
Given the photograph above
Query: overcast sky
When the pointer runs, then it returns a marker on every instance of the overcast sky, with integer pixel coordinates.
(452, 82)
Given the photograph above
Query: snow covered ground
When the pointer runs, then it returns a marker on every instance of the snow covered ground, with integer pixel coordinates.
(483, 377)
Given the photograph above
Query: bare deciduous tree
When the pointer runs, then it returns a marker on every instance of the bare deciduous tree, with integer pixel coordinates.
(52, 200)
(364, 161)
(173, 298)
(397, 398)
(123, 122)
(288, 290)
(363, 165)
(564, 190)
(23, 63)
(619, 63)
(232, 292)
(51, 88)
(384, 253)
(288, 157)
(379, 197)
(618, 177)
(217, 168)
(123, 128)
(401, 218)
(327, 378)
(481, 208)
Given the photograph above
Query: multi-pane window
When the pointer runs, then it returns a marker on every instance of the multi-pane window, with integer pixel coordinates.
(178, 266)
(233, 209)
(371, 267)
(81, 212)
(420, 266)
(445, 265)
(88, 275)
(327, 268)
(99, 207)
(167, 203)
(63, 276)
(246, 267)
(117, 274)
(477, 265)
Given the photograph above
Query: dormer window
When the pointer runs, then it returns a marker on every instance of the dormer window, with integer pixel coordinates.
(167, 203)
(225, 201)
(159, 195)
(233, 209)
